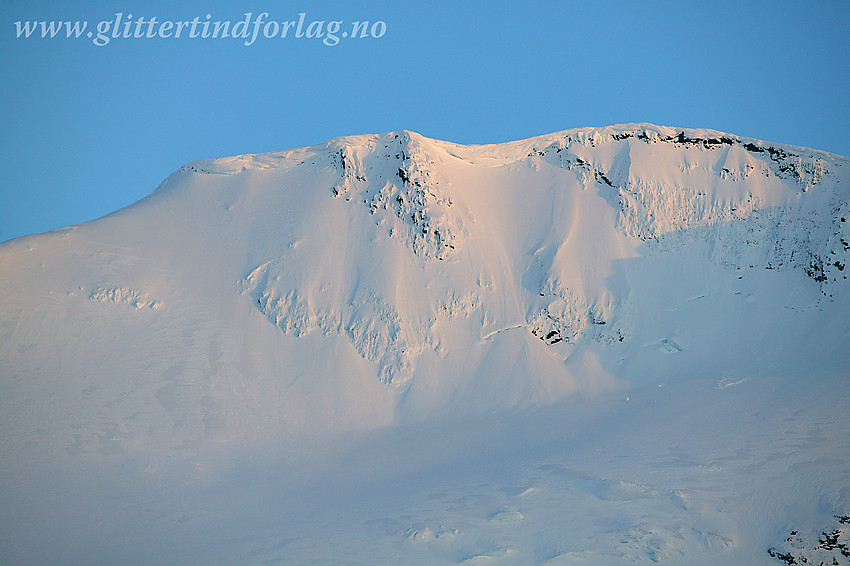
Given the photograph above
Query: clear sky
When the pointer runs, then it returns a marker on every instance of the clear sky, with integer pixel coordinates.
(88, 129)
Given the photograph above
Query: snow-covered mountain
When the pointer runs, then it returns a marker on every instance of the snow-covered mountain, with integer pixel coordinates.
(390, 282)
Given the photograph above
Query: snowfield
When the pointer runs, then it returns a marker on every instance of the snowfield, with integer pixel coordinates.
(610, 345)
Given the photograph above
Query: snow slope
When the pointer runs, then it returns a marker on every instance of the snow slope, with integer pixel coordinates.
(599, 345)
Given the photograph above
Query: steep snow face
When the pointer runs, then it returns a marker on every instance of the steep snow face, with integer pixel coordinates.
(381, 278)
(598, 346)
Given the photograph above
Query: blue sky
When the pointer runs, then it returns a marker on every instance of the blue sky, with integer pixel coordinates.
(88, 129)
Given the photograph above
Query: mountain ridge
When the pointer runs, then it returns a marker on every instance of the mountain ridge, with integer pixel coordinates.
(522, 147)
(391, 348)
(390, 277)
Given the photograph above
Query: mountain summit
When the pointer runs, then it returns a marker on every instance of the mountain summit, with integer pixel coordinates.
(599, 346)
(379, 278)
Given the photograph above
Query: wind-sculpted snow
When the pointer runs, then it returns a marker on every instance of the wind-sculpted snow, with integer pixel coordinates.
(745, 195)
(832, 546)
(565, 316)
(398, 177)
(131, 297)
(598, 346)
(372, 326)
(793, 236)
